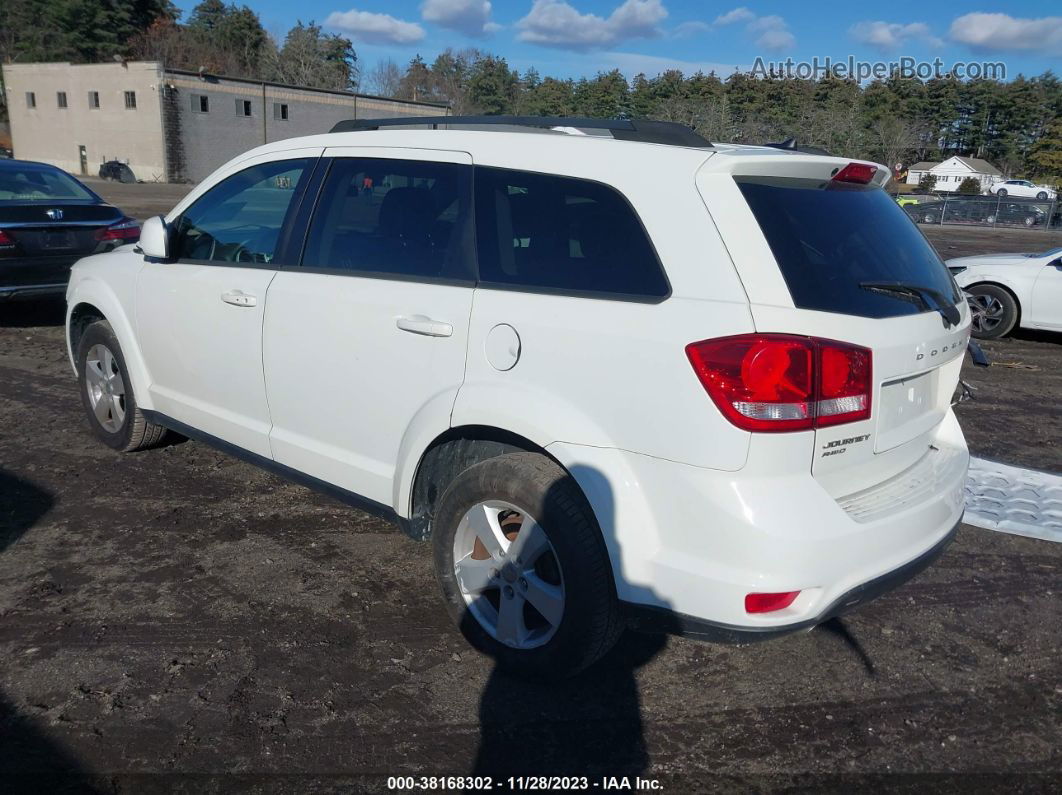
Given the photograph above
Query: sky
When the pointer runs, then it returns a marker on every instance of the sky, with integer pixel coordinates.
(575, 38)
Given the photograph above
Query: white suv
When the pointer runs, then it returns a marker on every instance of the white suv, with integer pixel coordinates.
(625, 377)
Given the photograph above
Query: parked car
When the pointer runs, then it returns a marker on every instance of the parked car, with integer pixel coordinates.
(1023, 188)
(48, 220)
(1009, 291)
(117, 170)
(706, 391)
(5, 153)
(1017, 213)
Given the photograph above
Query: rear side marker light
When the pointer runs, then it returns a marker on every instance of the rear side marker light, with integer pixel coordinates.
(769, 602)
(6, 240)
(126, 229)
(857, 173)
(781, 382)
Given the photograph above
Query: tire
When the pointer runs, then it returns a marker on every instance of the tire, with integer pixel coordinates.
(1002, 193)
(995, 311)
(990, 219)
(119, 423)
(1029, 220)
(1042, 195)
(573, 558)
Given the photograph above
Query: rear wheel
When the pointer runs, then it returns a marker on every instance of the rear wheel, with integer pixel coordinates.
(523, 568)
(1042, 195)
(994, 311)
(107, 393)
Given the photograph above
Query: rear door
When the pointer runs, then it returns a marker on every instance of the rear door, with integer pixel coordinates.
(367, 339)
(821, 266)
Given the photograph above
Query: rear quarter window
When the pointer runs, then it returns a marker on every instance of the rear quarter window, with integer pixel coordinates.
(546, 233)
(829, 238)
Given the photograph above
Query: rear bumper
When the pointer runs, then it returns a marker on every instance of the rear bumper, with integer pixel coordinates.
(691, 543)
(645, 618)
(35, 276)
(32, 290)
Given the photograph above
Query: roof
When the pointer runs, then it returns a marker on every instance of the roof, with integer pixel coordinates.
(212, 78)
(975, 164)
(979, 165)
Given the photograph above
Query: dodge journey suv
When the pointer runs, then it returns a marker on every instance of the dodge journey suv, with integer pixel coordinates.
(617, 374)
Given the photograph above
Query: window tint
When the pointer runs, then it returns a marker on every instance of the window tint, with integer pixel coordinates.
(239, 220)
(830, 238)
(395, 217)
(556, 233)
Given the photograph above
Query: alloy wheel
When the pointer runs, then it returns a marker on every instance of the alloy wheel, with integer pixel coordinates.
(508, 574)
(105, 387)
(987, 312)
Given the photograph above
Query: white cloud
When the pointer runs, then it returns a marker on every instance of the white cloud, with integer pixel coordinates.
(555, 23)
(1002, 32)
(740, 14)
(888, 37)
(471, 17)
(692, 28)
(770, 32)
(375, 28)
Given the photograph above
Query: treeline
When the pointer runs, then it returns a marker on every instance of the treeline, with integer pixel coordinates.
(1015, 125)
(219, 38)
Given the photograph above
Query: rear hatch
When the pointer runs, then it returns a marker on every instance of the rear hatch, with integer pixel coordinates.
(842, 261)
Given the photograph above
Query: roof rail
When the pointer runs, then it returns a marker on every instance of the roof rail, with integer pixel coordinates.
(654, 132)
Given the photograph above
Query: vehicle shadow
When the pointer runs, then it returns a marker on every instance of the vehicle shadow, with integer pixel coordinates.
(29, 313)
(30, 761)
(589, 725)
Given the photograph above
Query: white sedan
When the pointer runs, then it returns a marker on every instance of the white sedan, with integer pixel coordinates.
(1008, 290)
(1022, 188)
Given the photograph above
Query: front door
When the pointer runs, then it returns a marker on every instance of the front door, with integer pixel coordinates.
(367, 339)
(1046, 306)
(200, 315)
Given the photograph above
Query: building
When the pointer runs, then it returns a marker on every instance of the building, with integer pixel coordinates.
(951, 172)
(168, 125)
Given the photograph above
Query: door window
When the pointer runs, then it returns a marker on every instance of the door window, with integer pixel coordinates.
(394, 218)
(240, 218)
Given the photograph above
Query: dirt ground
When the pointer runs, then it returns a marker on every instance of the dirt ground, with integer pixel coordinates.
(176, 620)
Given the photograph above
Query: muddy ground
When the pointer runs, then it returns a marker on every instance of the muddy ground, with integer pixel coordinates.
(178, 620)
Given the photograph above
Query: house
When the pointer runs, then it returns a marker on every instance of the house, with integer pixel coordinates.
(167, 125)
(951, 172)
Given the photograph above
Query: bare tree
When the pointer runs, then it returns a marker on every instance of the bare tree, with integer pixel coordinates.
(891, 139)
(384, 79)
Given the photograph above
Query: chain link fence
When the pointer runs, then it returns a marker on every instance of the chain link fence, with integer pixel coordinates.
(1004, 211)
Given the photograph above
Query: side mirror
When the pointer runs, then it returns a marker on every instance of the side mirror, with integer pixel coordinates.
(155, 238)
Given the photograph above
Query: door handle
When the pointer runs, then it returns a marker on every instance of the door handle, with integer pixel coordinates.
(419, 324)
(239, 298)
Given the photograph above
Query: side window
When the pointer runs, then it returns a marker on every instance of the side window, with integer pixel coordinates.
(545, 232)
(239, 219)
(403, 218)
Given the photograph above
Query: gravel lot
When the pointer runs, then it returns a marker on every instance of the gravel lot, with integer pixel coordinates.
(178, 620)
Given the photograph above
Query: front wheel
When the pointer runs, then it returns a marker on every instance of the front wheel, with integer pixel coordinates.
(523, 568)
(107, 393)
(994, 312)
(1002, 193)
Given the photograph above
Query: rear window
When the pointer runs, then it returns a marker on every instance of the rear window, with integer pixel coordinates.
(830, 238)
(34, 183)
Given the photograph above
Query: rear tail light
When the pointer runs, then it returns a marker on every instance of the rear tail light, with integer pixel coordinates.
(6, 241)
(857, 173)
(779, 382)
(127, 229)
(769, 602)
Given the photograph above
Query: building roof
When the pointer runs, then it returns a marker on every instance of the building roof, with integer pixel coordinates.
(213, 78)
(979, 165)
(925, 165)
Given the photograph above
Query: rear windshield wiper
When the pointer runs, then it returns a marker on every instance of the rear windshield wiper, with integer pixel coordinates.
(925, 296)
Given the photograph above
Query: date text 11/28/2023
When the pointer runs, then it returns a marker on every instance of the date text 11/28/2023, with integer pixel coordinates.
(522, 783)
